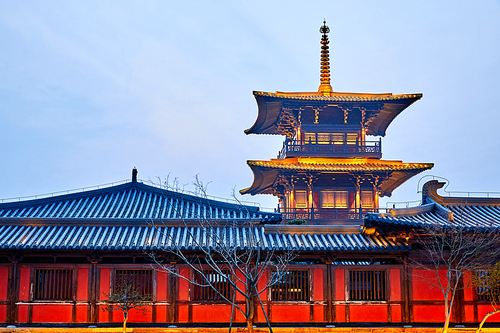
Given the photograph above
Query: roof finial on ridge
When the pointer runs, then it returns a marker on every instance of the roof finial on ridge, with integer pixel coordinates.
(325, 88)
(134, 175)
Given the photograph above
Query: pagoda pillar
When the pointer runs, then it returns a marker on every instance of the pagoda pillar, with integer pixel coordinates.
(357, 205)
(358, 193)
(376, 190)
(310, 197)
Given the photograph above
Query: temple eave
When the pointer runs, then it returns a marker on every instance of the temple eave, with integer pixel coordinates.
(391, 173)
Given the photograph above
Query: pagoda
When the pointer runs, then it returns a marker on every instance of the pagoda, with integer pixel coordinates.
(329, 171)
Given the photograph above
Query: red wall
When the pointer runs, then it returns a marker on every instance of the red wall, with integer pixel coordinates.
(24, 284)
(290, 313)
(284, 312)
(82, 289)
(53, 313)
(339, 285)
(4, 280)
(422, 285)
(368, 313)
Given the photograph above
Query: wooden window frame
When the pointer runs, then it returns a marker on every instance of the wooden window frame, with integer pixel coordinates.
(302, 204)
(338, 138)
(53, 284)
(334, 194)
(309, 138)
(480, 296)
(144, 275)
(372, 201)
(207, 294)
(369, 290)
(352, 135)
(282, 291)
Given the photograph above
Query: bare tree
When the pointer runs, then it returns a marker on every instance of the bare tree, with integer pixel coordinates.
(125, 296)
(449, 252)
(228, 259)
(487, 283)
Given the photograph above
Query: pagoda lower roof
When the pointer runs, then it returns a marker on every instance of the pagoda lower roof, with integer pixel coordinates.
(396, 172)
(381, 108)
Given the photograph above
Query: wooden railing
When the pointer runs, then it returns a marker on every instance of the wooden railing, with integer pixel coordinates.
(326, 213)
(297, 148)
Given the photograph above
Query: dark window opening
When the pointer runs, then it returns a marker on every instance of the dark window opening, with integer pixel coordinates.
(138, 280)
(292, 286)
(367, 286)
(53, 284)
(211, 286)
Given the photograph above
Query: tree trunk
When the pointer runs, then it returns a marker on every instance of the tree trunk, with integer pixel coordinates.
(250, 325)
(125, 318)
(484, 320)
(446, 324)
(447, 310)
(250, 313)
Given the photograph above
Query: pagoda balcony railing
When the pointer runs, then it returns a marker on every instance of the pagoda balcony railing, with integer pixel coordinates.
(326, 213)
(299, 148)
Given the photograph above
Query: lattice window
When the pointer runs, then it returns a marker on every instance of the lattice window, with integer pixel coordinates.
(53, 284)
(310, 138)
(338, 138)
(141, 280)
(220, 286)
(352, 138)
(367, 285)
(300, 199)
(292, 286)
(323, 138)
(366, 199)
(333, 199)
(483, 291)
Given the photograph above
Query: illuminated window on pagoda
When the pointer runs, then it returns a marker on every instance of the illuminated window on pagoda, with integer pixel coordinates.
(338, 138)
(352, 138)
(323, 138)
(333, 199)
(366, 199)
(310, 137)
(300, 199)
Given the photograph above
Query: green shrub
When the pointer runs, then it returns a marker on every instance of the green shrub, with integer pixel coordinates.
(297, 221)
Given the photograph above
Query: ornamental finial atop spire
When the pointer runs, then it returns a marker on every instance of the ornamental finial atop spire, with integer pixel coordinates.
(325, 88)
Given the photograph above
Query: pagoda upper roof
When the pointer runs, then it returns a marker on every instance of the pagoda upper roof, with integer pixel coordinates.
(397, 172)
(380, 109)
(129, 202)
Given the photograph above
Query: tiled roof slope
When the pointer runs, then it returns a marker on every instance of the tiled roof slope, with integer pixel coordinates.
(145, 238)
(129, 201)
(479, 213)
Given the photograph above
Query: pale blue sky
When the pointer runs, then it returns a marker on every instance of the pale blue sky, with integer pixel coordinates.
(89, 89)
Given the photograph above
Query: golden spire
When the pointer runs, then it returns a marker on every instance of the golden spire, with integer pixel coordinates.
(325, 88)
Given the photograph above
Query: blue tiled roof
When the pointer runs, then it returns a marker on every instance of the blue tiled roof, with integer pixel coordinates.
(474, 216)
(146, 238)
(129, 201)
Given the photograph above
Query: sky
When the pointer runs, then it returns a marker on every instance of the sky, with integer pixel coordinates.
(90, 89)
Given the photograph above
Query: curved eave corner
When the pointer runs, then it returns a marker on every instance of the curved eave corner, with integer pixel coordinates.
(262, 181)
(399, 177)
(268, 113)
(391, 109)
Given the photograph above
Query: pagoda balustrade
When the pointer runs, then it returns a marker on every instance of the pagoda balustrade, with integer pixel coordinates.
(326, 214)
(299, 148)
